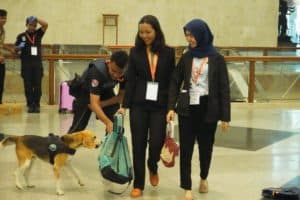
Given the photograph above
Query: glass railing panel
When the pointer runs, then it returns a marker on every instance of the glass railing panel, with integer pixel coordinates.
(258, 52)
(238, 80)
(81, 49)
(277, 81)
(273, 81)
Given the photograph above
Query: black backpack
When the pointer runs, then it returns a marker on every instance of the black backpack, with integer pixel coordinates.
(78, 86)
(288, 193)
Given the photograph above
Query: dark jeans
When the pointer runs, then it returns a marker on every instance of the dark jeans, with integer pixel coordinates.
(82, 115)
(146, 126)
(2, 78)
(32, 77)
(194, 128)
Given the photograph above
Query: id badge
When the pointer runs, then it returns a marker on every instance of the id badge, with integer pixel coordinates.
(194, 97)
(152, 91)
(34, 51)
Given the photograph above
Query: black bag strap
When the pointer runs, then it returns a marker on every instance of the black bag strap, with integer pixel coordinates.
(129, 182)
(126, 160)
(100, 66)
(98, 63)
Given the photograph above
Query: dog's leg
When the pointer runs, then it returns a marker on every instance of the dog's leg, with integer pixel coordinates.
(59, 161)
(26, 174)
(74, 172)
(2, 143)
(59, 191)
(23, 165)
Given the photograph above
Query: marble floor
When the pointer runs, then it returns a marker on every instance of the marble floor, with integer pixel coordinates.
(262, 149)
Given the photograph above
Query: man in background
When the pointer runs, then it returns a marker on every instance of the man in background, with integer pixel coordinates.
(3, 18)
(29, 44)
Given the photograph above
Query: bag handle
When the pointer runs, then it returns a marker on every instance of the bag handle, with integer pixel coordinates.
(170, 129)
(118, 125)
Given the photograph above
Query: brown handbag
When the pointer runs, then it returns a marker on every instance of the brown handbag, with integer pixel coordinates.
(170, 149)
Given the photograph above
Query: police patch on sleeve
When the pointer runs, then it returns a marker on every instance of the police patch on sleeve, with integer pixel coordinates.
(94, 83)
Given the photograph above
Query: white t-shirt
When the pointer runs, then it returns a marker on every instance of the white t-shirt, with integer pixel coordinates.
(199, 87)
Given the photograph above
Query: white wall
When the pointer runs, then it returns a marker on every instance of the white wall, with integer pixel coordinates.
(233, 22)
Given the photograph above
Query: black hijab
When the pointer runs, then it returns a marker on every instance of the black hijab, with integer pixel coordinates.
(200, 30)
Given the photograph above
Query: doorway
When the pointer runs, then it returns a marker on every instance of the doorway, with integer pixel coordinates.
(288, 22)
(293, 22)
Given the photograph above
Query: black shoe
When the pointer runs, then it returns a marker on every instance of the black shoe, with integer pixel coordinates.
(30, 109)
(36, 109)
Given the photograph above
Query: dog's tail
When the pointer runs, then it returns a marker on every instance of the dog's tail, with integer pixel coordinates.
(7, 140)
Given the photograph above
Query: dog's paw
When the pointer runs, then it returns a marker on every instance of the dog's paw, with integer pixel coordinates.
(80, 183)
(20, 187)
(60, 192)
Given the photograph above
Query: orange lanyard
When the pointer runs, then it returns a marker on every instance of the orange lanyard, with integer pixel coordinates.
(196, 74)
(32, 41)
(153, 64)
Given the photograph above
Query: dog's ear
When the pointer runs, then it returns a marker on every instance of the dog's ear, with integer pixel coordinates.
(89, 139)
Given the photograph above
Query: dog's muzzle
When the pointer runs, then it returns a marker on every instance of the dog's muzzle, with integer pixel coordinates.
(98, 143)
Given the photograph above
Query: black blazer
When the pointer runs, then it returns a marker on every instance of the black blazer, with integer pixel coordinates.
(218, 83)
(139, 74)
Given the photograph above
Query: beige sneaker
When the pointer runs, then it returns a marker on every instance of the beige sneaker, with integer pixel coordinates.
(188, 195)
(203, 188)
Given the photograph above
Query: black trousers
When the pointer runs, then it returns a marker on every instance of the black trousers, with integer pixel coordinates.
(146, 127)
(82, 115)
(32, 77)
(194, 128)
(2, 78)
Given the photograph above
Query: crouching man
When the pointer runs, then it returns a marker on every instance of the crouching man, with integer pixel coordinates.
(96, 93)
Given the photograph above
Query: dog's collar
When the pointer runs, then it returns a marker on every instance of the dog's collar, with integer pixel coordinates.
(66, 142)
(70, 151)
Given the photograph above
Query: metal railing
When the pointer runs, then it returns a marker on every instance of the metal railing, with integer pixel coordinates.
(252, 60)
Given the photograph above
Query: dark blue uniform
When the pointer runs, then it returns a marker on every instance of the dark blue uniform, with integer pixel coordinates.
(31, 66)
(98, 82)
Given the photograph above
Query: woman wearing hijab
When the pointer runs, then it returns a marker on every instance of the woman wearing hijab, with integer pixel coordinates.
(199, 92)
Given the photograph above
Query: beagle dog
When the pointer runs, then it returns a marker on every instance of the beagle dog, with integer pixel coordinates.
(53, 149)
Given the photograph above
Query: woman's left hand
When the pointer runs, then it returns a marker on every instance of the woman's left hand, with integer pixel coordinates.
(225, 126)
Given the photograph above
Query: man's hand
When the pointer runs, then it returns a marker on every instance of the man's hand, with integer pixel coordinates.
(122, 111)
(121, 79)
(109, 126)
(1, 59)
(12, 51)
(225, 126)
(21, 45)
